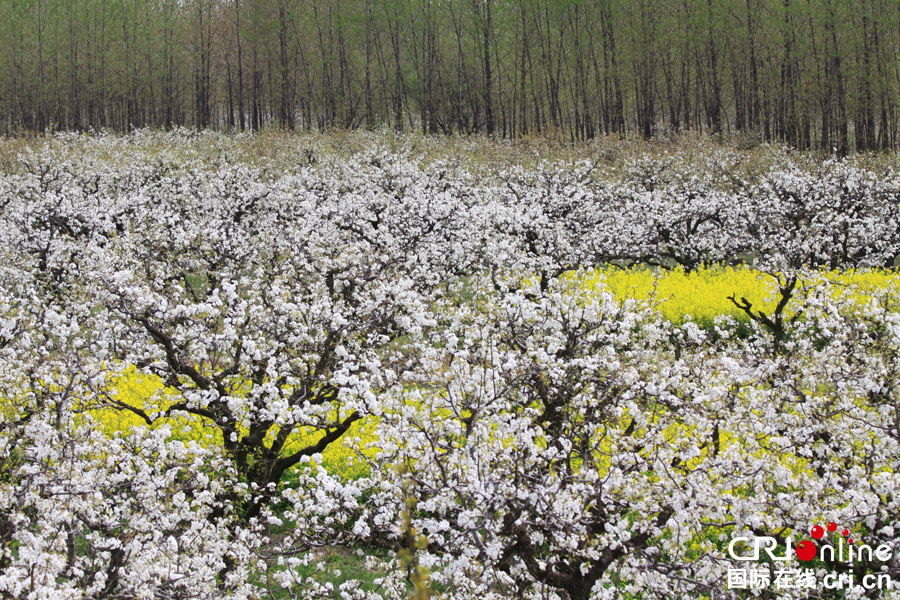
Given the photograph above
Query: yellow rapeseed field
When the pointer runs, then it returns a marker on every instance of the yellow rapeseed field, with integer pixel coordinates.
(703, 295)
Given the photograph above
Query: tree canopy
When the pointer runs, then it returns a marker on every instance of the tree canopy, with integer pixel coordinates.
(810, 73)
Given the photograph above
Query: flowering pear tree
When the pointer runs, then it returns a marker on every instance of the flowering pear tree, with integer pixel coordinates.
(555, 440)
(838, 217)
(265, 341)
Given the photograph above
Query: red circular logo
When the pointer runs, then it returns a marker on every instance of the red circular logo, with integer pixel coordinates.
(806, 550)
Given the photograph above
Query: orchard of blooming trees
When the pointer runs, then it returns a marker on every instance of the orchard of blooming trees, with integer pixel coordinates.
(534, 437)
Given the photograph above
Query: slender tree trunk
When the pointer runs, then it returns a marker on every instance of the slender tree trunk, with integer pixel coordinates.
(370, 109)
(715, 84)
(484, 15)
(753, 109)
(398, 74)
(286, 106)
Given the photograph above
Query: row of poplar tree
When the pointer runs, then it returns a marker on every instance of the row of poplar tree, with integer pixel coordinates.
(810, 73)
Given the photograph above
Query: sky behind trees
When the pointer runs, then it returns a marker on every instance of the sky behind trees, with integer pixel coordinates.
(811, 73)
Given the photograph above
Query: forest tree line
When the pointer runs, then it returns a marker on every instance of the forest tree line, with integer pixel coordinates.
(810, 73)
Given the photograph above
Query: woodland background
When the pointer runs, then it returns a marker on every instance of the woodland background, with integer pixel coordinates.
(814, 74)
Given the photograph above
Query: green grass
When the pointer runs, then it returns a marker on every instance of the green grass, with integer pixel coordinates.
(335, 566)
